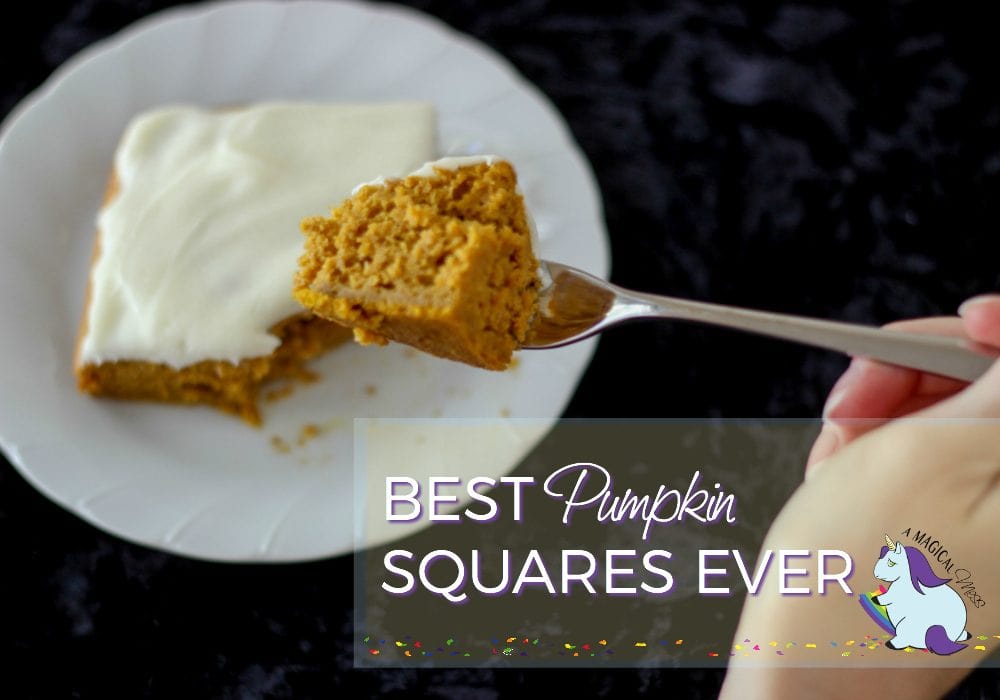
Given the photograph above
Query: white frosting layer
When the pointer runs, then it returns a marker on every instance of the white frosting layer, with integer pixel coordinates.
(199, 247)
(453, 163)
(427, 169)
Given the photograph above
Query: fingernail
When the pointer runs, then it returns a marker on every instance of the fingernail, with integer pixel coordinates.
(970, 304)
(842, 387)
(826, 444)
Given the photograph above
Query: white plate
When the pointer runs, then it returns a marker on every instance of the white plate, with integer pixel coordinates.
(191, 480)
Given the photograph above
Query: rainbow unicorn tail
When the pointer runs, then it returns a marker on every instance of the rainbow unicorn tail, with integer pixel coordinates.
(936, 639)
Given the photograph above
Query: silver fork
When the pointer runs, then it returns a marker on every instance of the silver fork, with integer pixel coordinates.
(574, 305)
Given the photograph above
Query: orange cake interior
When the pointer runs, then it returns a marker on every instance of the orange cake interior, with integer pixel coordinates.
(233, 388)
(440, 260)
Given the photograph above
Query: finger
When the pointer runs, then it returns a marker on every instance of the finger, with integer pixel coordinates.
(871, 389)
(835, 436)
(933, 384)
(979, 400)
(981, 319)
(828, 443)
(870, 393)
(867, 395)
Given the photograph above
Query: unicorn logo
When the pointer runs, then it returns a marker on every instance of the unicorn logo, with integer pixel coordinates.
(917, 607)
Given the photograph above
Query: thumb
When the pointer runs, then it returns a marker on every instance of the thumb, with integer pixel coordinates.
(981, 319)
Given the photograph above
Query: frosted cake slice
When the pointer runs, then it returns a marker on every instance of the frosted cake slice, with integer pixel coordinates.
(440, 260)
(189, 297)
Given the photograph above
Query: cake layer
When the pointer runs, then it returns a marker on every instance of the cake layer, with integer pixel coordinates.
(440, 260)
(197, 247)
(230, 387)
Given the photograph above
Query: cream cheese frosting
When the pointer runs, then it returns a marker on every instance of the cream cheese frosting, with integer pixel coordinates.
(198, 247)
(427, 169)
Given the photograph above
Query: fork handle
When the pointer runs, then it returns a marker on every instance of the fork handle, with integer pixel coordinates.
(947, 356)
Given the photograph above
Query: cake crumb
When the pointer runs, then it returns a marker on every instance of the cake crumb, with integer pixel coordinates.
(279, 392)
(307, 432)
(306, 376)
(505, 412)
(409, 352)
(514, 362)
(370, 389)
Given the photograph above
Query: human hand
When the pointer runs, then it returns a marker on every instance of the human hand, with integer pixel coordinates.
(927, 458)
(870, 393)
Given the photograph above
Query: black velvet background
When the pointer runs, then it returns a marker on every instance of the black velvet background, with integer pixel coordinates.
(810, 158)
